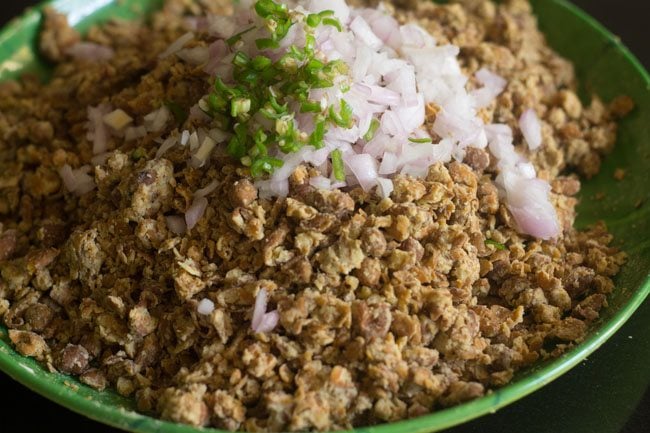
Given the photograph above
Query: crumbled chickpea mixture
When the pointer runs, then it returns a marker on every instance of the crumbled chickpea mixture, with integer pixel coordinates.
(388, 308)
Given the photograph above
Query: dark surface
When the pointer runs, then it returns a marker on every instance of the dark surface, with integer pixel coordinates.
(607, 393)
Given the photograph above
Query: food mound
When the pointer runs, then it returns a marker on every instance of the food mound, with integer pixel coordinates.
(301, 216)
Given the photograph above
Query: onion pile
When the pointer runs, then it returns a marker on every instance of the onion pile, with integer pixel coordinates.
(394, 73)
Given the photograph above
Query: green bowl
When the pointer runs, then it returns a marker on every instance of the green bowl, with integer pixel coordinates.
(604, 66)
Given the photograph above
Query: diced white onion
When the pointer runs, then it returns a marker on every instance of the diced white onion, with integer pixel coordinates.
(90, 51)
(195, 212)
(177, 45)
(205, 307)
(531, 128)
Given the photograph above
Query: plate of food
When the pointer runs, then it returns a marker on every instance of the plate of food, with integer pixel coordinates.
(286, 216)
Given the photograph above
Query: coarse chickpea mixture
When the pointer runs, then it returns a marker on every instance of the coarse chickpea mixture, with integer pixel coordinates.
(389, 308)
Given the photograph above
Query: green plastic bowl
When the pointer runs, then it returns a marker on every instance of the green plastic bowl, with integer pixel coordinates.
(604, 66)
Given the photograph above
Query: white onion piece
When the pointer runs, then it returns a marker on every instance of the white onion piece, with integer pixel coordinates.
(528, 201)
(202, 155)
(207, 190)
(272, 188)
(195, 212)
(221, 26)
(185, 137)
(216, 52)
(68, 177)
(527, 170)
(389, 164)
(391, 124)
(414, 36)
(386, 27)
(384, 187)
(205, 307)
(262, 321)
(77, 181)
(90, 51)
(321, 182)
(194, 56)
(157, 119)
(539, 221)
(531, 128)
(379, 95)
(176, 224)
(363, 31)
(411, 117)
(493, 86)
(97, 131)
(442, 152)
(177, 45)
(269, 322)
(364, 168)
(165, 146)
(259, 310)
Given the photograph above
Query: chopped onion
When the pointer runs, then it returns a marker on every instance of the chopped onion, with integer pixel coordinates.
(177, 45)
(216, 53)
(394, 73)
(364, 168)
(263, 321)
(195, 212)
(209, 189)
(185, 137)
(77, 181)
(221, 26)
(260, 307)
(203, 153)
(531, 128)
(90, 51)
(321, 182)
(97, 131)
(194, 56)
(157, 119)
(363, 31)
(389, 164)
(165, 146)
(384, 187)
(205, 307)
(272, 188)
(269, 322)
(493, 86)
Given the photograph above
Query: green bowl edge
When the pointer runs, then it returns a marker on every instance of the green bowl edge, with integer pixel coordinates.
(66, 393)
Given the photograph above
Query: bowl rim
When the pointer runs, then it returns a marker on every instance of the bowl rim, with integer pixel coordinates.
(539, 376)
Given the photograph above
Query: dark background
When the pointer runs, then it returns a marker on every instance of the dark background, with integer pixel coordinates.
(607, 393)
